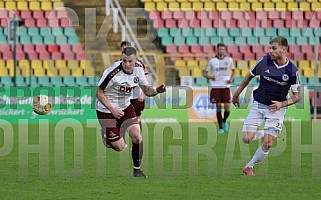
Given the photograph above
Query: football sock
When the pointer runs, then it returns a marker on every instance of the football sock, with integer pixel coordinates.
(219, 118)
(258, 156)
(258, 134)
(226, 114)
(137, 155)
(140, 126)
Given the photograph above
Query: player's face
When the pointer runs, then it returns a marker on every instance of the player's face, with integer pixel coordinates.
(221, 51)
(128, 63)
(276, 51)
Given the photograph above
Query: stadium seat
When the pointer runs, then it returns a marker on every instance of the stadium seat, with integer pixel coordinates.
(69, 81)
(44, 81)
(82, 81)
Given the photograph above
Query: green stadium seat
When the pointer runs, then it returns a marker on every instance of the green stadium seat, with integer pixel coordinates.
(20, 81)
(307, 32)
(201, 81)
(199, 32)
(215, 40)
(25, 39)
(204, 40)
(295, 32)
(73, 40)
(175, 32)
(240, 41)
(301, 41)
(270, 32)
(264, 40)
(237, 80)
(69, 81)
(303, 80)
(70, 32)
(32, 81)
(57, 31)
(291, 40)
(6, 81)
(317, 32)
(33, 32)
(167, 41)
(222, 32)
(61, 40)
(246, 32)
(313, 40)
(284, 32)
(253, 82)
(45, 31)
(37, 40)
(57, 81)
(228, 40)
(21, 31)
(311, 81)
(235, 32)
(3, 39)
(191, 40)
(82, 81)
(210, 32)
(178, 41)
(187, 32)
(93, 80)
(49, 39)
(259, 32)
(44, 81)
(162, 32)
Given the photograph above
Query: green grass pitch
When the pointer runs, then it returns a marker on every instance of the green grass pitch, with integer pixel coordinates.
(183, 161)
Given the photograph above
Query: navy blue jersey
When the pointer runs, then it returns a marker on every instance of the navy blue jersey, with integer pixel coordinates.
(275, 81)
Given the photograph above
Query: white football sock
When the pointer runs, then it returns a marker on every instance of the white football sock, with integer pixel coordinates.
(258, 156)
(258, 134)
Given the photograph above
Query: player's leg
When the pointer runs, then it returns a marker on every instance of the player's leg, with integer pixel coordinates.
(110, 132)
(215, 97)
(139, 106)
(226, 99)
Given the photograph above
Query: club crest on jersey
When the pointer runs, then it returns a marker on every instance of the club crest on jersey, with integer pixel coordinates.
(285, 77)
(136, 79)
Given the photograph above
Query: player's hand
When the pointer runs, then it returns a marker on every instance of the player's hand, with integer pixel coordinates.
(213, 78)
(118, 113)
(161, 88)
(275, 106)
(229, 81)
(236, 101)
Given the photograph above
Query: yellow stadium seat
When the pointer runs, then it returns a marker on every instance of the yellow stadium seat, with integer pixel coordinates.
(245, 6)
(192, 63)
(52, 72)
(34, 6)
(11, 5)
(196, 72)
(312, 64)
(9, 64)
(77, 72)
(268, 6)
(150, 6)
(60, 64)
(39, 72)
(22, 5)
(89, 71)
(244, 71)
(24, 63)
(304, 6)
(197, 6)
(36, 64)
(186, 5)
(203, 64)
(4, 71)
(308, 72)
(209, 6)
(304, 64)
(252, 63)
(46, 6)
(264, 1)
(64, 72)
(1, 4)
(241, 64)
(58, 5)
(173, 6)
(25, 71)
(292, 6)
(180, 63)
(316, 6)
(288, 1)
(280, 6)
(233, 5)
(84, 64)
(256, 6)
(237, 72)
(161, 6)
(221, 6)
(73, 65)
(183, 71)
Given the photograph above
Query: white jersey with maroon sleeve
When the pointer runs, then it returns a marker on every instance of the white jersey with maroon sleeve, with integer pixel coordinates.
(118, 86)
(221, 70)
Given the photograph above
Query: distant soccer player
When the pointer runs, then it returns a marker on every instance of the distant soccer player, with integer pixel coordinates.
(277, 76)
(222, 75)
(115, 113)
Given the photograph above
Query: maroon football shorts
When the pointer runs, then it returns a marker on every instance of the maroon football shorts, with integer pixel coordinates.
(138, 106)
(114, 128)
(220, 95)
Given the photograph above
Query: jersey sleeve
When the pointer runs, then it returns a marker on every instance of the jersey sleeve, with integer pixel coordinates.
(209, 65)
(256, 70)
(142, 77)
(232, 63)
(295, 80)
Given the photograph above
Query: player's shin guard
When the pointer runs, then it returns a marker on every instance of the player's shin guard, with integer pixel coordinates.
(219, 118)
(137, 154)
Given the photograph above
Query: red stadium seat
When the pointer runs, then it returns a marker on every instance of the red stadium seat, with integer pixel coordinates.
(297, 15)
(38, 15)
(53, 23)
(245, 49)
(206, 23)
(238, 15)
(32, 55)
(62, 14)
(44, 55)
(195, 23)
(208, 49)
(274, 15)
(77, 48)
(278, 23)
(309, 15)
(26, 14)
(232, 49)
(30, 23)
(56, 56)
(158, 23)
(167, 15)
(171, 49)
(170, 23)
(242, 23)
(225, 15)
(4, 23)
(191, 15)
(230, 23)
(182, 23)
(64, 22)
(65, 48)
(8, 55)
(286, 15)
(178, 15)
(249, 56)
(41, 48)
(183, 49)
(154, 15)
(266, 23)
(53, 48)
(3, 13)
(196, 49)
(261, 15)
(68, 56)
(202, 15)
(41, 23)
(81, 56)
(213, 15)
(302, 23)
(4, 47)
(20, 55)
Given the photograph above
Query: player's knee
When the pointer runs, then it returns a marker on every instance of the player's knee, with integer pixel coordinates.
(247, 138)
(119, 147)
(137, 139)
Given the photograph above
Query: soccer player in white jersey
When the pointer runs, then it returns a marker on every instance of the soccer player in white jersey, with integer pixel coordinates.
(277, 76)
(222, 75)
(115, 113)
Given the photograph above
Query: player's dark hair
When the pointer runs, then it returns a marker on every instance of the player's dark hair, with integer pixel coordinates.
(282, 41)
(220, 45)
(125, 43)
(128, 51)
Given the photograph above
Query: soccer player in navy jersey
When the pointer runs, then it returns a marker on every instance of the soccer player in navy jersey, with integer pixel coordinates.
(114, 111)
(278, 75)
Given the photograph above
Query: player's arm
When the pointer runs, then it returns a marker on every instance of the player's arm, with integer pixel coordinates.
(100, 94)
(232, 76)
(151, 91)
(275, 106)
(248, 77)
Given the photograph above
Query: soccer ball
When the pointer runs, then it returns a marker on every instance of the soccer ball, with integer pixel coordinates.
(41, 104)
